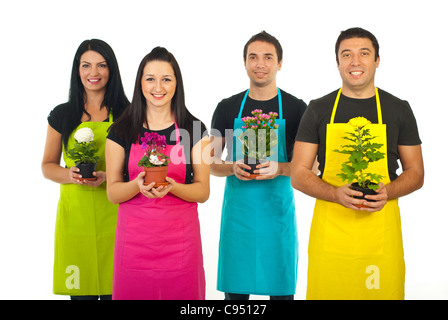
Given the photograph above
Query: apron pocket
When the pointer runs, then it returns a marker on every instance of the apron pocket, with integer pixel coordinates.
(153, 244)
(353, 232)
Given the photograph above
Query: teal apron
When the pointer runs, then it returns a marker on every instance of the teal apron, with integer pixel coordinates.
(258, 249)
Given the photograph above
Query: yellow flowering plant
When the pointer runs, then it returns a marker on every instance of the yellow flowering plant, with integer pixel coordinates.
(362, 152)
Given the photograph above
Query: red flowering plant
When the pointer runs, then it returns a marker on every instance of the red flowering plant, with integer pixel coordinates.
(153, 144)
(260, 137)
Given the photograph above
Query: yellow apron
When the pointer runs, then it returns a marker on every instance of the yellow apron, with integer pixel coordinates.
(355, 254)
(85, 230)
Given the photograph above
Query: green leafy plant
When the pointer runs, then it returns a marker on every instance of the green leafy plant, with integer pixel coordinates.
(260, 137)
(361, 153)
(85, 148)
(154, 144)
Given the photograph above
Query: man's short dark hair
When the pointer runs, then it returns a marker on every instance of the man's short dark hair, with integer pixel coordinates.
(265, 37)
(357, 33)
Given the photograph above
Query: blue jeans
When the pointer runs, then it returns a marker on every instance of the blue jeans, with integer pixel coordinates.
(236, 296)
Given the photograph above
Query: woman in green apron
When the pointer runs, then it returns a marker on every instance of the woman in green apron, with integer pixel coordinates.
(86, 220)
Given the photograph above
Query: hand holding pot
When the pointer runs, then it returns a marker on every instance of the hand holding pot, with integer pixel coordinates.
(239, 172)
(345, 196)
(75, 177)
(100, 178)
(268, 170)
(380, 200)
(149, 191)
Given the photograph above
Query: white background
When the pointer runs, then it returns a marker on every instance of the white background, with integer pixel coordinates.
(38, 43)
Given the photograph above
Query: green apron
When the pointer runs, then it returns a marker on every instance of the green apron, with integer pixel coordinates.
(85, 230)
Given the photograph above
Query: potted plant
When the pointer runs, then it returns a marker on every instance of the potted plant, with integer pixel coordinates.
(154, 162)
(259, 138)
(83, 153)
(362, 152)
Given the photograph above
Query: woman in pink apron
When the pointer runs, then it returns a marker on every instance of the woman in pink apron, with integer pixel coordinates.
(158, 251)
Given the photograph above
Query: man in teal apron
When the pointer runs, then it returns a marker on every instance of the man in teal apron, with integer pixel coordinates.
(258, 249)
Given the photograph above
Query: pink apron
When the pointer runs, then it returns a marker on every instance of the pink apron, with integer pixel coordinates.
(158, 251)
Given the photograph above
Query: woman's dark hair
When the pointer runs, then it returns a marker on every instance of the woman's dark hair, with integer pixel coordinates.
(265, 37)
(114, 98)
(130, 125)
(357, 33)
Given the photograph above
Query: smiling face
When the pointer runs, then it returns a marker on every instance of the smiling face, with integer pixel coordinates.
(93, 71)
(262, 63)
(357, 67)
(158, 84)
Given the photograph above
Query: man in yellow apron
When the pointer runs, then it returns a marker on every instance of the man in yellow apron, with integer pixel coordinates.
(356, 253)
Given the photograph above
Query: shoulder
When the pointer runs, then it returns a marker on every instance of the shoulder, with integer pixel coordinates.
(291, 100)
(325, 100)
(389, 99)
(236, 99)
(323, 105)
(57, 115)
(226, 110)
(60, 109)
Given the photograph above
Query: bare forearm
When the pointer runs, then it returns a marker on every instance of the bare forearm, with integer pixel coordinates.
(56, 173)
(309, 183)
(408, 182)
(220, 168)
(284, 169)
(118, 192)
(195, 192)
(412, 177)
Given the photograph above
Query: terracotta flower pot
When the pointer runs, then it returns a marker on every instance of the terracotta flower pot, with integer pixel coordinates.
(157, 175)
(365, 191)
(252, 163)
(86, 170)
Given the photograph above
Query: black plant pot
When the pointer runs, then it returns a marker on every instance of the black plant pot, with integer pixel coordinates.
(86, 171)
(365, 191)
(252, 163)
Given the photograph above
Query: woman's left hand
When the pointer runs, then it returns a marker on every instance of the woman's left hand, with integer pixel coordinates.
(100, 178)
(150, 192)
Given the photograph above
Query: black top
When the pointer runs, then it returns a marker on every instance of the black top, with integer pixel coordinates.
(401, 126)
(170, 135)
(57, 116)
(228, 109)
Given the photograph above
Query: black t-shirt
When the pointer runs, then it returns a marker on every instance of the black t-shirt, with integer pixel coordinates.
(57, 116)
(401, 126)
(228, 109)
(170, 136)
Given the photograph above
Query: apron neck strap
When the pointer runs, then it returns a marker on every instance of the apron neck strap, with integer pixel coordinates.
(378, 106)
(280, 104)
(176, 129)
(177, 132)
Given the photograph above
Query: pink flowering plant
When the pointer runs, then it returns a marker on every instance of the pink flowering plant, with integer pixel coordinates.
(259, 137)
(153, 144)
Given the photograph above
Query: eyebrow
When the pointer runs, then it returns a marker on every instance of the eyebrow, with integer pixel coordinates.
(362, 49)
(165, 75)
(264, 54)
(91, 63)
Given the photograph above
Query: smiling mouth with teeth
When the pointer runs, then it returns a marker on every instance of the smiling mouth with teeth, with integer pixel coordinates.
(94, 80)
(356, 73)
